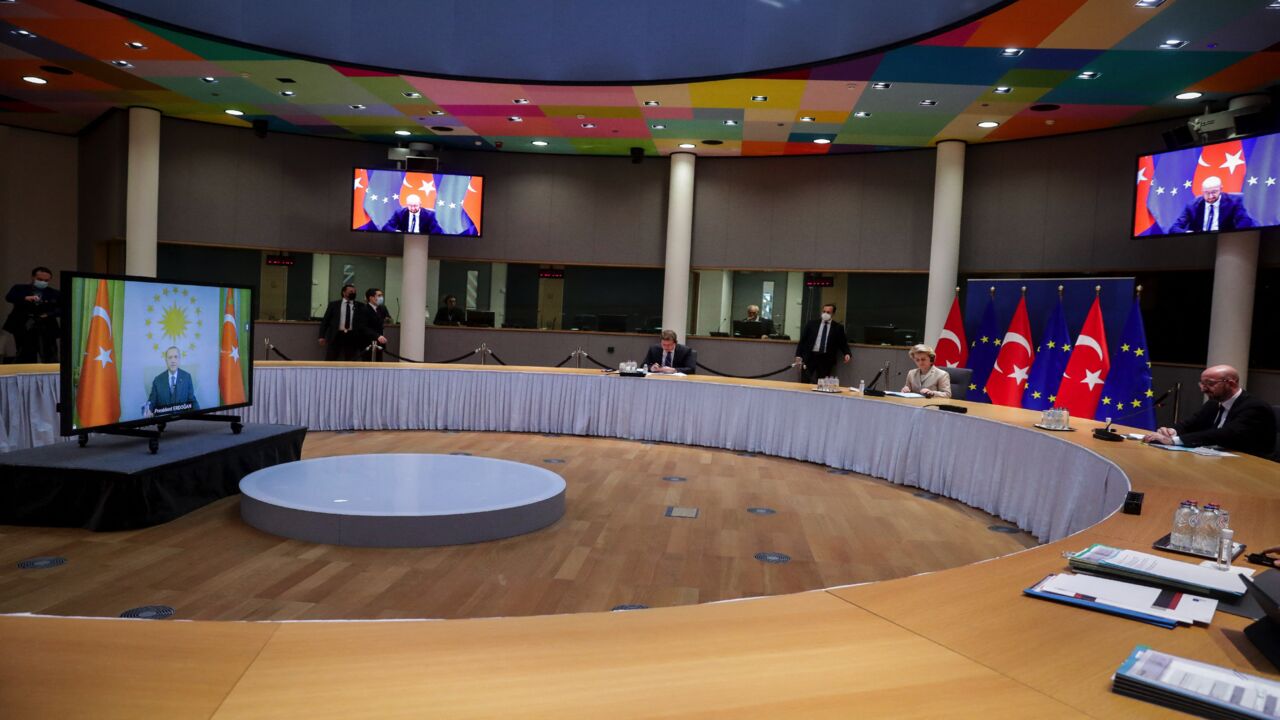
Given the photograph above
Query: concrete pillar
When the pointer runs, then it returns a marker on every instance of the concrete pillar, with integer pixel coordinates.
(675, 286)
(1235, 272)
(944, 247)
(413, 291)
(142, 192)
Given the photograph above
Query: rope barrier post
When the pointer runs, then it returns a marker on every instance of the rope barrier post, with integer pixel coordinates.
(266, 353)
(484, 353)
(577, 356)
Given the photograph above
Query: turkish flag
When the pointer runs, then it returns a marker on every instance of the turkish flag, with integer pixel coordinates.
(952, 350)
(1142, 217)
(230, 380)
(1087, 369)
(98, 396)
(1008, 378)
(1224, 161)
(358, 216)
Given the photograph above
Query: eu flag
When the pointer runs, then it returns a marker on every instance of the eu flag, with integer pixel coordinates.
(1261, 191)
(1051, 360)
(451, 193)
(1127, 397)
(983, 351)
(1172, 187)
(382, 197)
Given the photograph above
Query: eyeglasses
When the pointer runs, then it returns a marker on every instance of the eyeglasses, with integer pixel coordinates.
(1211, 382)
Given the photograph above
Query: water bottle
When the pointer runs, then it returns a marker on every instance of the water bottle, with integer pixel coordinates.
(1206, 537)
(1224, 524)
(1226, 543)
(1193, 525)
(862, 386)
(1066, 419)
(1180, 536)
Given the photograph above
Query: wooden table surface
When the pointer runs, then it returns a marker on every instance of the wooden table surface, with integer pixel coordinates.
(957, 643)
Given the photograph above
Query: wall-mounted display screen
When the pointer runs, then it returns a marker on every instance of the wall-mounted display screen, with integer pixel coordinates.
(1226, 186)
(396, 201)
(139, 351)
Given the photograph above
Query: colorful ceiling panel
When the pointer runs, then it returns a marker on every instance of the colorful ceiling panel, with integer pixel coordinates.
(988, 71)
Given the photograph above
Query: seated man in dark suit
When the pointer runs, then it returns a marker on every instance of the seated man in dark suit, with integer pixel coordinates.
(822, 343)
(1213, 211)
(669, 356)
(1231, 418)
(449, 312)
(171, 387)
(413, 219)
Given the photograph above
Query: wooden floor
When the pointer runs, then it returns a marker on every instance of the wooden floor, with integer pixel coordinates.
(614, 545)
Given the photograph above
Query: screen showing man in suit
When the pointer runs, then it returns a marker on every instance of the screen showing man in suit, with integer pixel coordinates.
(1213, 211)
(172, 390)
(1230, 418)
(416, 203)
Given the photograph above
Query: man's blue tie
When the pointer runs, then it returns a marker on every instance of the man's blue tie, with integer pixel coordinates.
(822, 343)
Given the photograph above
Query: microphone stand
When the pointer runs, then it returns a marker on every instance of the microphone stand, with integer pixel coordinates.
(870, 390)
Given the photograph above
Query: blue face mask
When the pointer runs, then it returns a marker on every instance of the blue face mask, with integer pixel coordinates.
(41, 284)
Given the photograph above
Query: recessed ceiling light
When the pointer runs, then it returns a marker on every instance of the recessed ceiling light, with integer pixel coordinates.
(236, 113)
(988, 124)
(928, 103)
(442, 128)
(411, 94)
(288, 93)
(135, 45)
(822, 141)
(403, 133)
(712, 142)
(687, 146)
(658, 126)
(730, 122)
(881, 86)
(588, 125)
(1011, 52)
(1173, 44)
(759, 98)
(34, 80)
(1089, 75)
(357, 106)
(436, 112)
(1190, 95)
(1003, 90)
(122, 63)
(55, 70)
(22, 33)
(539, 143)
(210, 80)
(807, 118)
(515, 118)
(1148, 3)
(651, 103)
(521, 101)
(862, 114)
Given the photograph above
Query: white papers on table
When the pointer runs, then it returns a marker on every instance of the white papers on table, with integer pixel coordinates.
(1134, 436)
(1202, 451)
(1147, 564)
(902, 394)
(1186, 608)
(1195, 687)
(1247, 571)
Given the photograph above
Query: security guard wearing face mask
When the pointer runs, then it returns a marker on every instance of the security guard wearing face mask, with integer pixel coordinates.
(34, 320)
(822, 343)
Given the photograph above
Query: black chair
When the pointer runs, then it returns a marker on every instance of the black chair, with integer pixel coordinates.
(960, 378)
(693, 362)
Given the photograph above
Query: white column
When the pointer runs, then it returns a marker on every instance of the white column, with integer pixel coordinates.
(675, 287)
(498, 293)
(944, 247)
(142, 192)
(413, 292)
(1235, 272)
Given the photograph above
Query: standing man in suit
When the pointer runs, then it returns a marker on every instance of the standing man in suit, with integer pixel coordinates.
(34, 320)
(1231, 418)
(339, 329)
(413, 219)
(669, 356)
(378, 323)
(1213, 211)
(171, 388)
(821, 344)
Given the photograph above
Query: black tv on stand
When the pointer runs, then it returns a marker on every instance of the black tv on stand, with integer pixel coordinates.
(752, 328)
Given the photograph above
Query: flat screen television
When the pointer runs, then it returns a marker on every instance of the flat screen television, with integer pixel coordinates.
(140, 351)
(398, 201)
(1220, 187)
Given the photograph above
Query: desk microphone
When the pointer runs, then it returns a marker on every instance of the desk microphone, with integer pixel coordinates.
(1106, 433)
(870, 390)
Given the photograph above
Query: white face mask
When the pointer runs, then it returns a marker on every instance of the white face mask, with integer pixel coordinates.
(826, 317)
(379, 302)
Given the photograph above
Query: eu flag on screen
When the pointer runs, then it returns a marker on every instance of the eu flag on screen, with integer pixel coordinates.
(382, 198)
(451, 192)
(984, 348)
(1127, 397)
(1172, 187)
(1262, 180)
(1051, 360)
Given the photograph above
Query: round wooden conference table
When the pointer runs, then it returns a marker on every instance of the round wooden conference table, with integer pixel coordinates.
(963, 642)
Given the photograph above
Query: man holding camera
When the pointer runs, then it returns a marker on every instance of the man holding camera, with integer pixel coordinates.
(34, 320)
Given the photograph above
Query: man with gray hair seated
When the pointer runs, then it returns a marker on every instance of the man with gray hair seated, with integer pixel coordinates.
(1231, 418)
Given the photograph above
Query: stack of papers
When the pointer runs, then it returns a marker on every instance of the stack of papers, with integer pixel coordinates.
(1203, 451)
(1194, 687)
(1166, 608)
(1147, 568)
(902, 394)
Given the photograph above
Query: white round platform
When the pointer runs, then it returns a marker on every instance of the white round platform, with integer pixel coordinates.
(401, 500)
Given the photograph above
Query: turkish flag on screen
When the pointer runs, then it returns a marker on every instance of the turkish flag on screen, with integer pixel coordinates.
(230, 380)
(1087, 369)
(1224, 161)
(98, 396)
(1008, 378)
